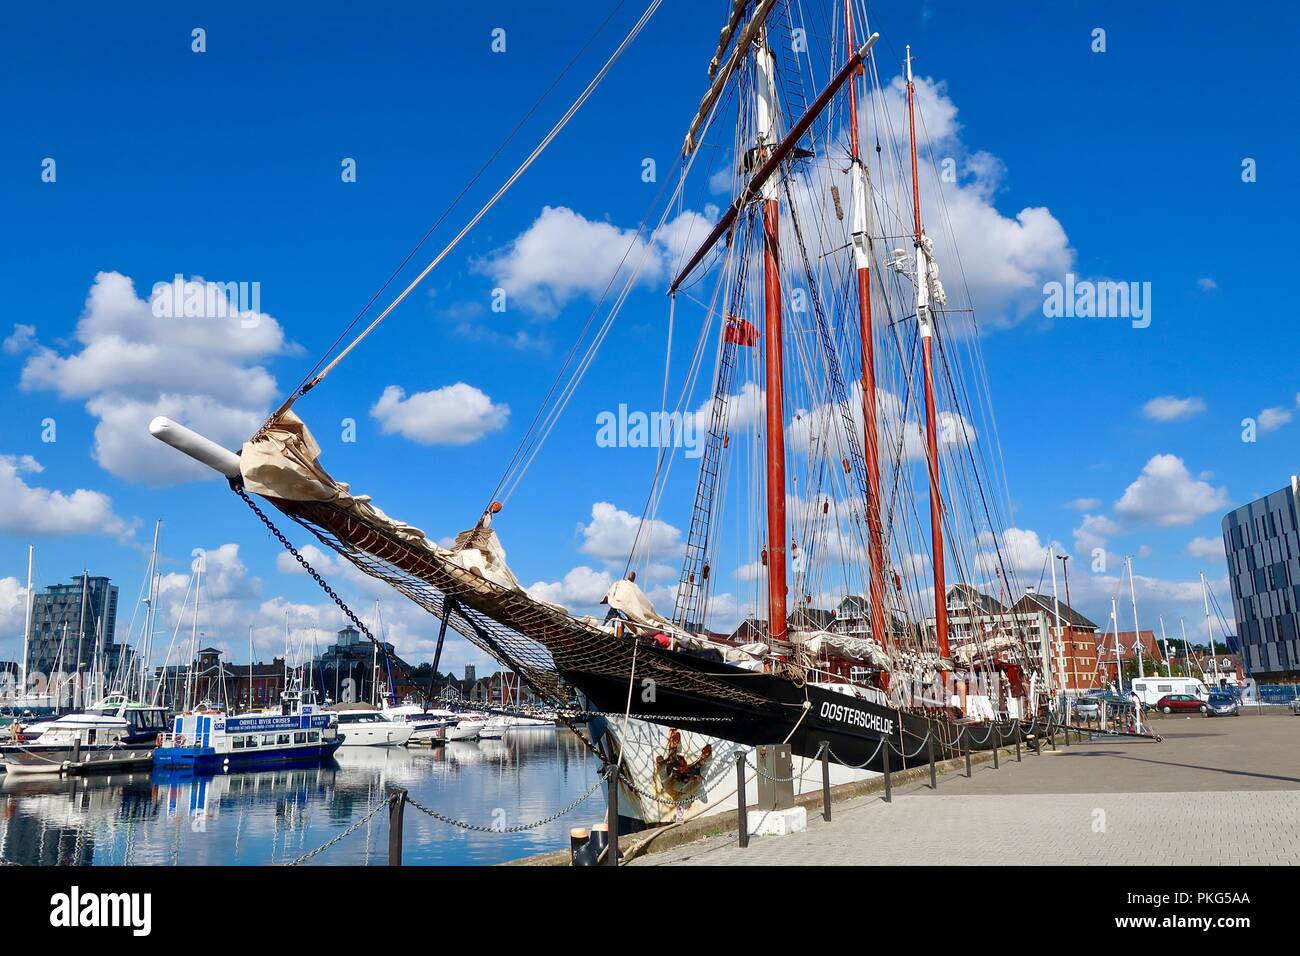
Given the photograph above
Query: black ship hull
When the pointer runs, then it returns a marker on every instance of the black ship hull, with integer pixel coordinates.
(806, 716)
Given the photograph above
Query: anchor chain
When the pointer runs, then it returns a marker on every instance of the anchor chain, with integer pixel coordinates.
(343, 835)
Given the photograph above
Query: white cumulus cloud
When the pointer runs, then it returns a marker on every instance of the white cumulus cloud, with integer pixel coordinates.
(133, 361)
(452, 415)
(32, 510)
(563, 254)
(1167, 495)
(1204, 547)
(1170, 408)
(612, 532)
(1271, 419)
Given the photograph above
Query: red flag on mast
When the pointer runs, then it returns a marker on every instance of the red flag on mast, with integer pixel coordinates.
(740, 332)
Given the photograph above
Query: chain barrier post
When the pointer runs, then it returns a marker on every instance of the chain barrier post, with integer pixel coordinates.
(826, 780)
(889, 783)
(1018, 741)
(742, 812)
(396, 810)
(966, 748)
(929, 746)
(611, 854)
(997, 745)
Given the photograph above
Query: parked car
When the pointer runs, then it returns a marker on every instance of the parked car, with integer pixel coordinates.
(1171, 703)
(1223, 705)
(1295, 706)
(1151, 689)
(1087, 708)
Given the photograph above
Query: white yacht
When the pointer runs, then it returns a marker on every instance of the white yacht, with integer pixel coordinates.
(115, 733)
(500, 724)
(428, 726)
(372, 728)
(467, 727)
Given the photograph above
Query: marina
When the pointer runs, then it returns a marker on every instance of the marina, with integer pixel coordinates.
(175, 817)
(628, 434)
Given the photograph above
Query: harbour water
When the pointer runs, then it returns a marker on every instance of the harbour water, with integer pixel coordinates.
(168, 818)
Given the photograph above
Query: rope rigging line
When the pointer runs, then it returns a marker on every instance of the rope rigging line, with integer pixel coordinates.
(483, 211)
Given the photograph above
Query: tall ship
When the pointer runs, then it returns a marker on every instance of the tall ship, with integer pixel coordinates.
(850, 479)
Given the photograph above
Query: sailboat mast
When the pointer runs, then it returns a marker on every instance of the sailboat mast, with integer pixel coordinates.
(773, 357)
(866, 334)
(1209, 630)
(81, 630)
(927, 360)
(1060, 631)
(1119, 662)
(145, 652)
(27, 621)
(1137, 633)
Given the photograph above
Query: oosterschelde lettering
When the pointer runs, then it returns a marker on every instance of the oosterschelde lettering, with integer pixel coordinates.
(1105, 299)
(74, 909)
(856, 718)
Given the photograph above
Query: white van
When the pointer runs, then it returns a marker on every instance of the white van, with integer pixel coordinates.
(1151, 689)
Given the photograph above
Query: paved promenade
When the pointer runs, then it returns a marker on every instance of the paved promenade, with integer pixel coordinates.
(1216, 791)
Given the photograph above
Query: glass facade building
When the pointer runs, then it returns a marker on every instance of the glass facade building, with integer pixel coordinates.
(71, 626)
(1262, 543)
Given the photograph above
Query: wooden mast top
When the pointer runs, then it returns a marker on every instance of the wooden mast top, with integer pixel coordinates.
(931, 430)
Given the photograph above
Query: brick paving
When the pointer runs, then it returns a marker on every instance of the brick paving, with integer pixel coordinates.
(1216, 791)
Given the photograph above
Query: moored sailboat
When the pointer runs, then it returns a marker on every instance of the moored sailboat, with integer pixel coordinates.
(834, 488)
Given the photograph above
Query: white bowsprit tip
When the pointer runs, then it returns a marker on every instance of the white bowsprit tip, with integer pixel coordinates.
(201, 449)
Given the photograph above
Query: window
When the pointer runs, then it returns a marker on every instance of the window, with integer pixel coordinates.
(300, 737)
(1164, 688)
(237, 743)
(284, 739)
(251, 741)
(268, 740)
(313, 737)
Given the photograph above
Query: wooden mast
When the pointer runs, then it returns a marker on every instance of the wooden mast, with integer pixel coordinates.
(871, 443)
(773, 357)
(927, 360)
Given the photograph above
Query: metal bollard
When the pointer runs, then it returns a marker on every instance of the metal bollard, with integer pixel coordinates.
(611, 855)
(580, 853)
(826, 780)
(997, 746)
(742, 812)
(934, 777)
(1017, 741)
(889, 784)
(1067, 736)
(396, 811)
(966, 748)
(1051, 738)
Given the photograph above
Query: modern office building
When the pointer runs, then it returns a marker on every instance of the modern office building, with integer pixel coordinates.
(71, 624)
(1262, 543)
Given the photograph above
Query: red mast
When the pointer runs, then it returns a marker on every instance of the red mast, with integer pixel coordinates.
(871, 442)
(927, 360)
(773, 357)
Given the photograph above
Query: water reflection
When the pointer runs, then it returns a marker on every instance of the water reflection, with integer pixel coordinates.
(171, 817)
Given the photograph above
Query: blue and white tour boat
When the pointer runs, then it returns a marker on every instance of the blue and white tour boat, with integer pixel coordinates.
(301, 732)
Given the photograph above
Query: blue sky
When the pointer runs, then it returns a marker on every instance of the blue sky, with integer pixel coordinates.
(226, 164)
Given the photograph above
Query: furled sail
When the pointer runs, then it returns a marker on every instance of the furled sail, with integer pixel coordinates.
(470, 582)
